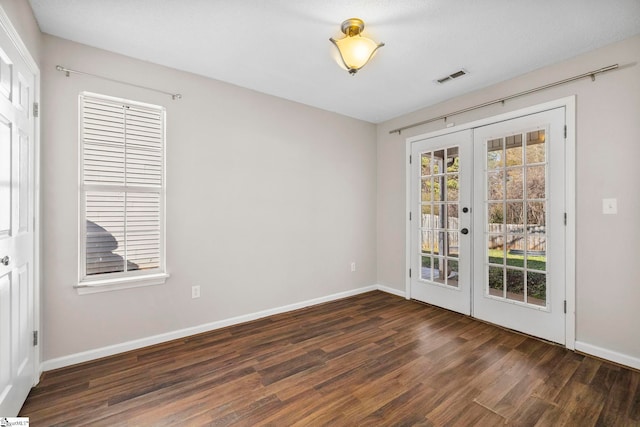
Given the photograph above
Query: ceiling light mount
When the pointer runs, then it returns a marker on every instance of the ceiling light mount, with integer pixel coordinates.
(352, 27)
(355, 50)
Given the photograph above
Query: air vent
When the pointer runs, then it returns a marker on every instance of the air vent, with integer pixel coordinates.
(452, 76)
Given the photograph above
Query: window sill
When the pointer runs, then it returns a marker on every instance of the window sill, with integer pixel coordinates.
(106, 285)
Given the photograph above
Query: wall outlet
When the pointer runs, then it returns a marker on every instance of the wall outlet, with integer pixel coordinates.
(195, 292)
(353, 266)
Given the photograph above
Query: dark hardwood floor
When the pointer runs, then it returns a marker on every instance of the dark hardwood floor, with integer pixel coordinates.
(373, 359)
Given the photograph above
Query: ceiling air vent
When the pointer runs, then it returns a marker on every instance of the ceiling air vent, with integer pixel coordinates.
(452, 76)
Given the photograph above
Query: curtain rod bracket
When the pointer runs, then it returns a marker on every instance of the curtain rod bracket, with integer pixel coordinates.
(68, 71)
(61, 68)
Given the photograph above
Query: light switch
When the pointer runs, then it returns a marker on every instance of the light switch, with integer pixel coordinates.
(609, 206)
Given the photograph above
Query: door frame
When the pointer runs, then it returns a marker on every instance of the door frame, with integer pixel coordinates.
(32, 65)
(569, 104)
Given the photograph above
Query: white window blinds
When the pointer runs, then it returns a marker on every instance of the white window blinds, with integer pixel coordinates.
(122, 187)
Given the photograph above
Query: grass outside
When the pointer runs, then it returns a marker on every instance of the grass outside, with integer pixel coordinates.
(533, 262)
(536, 282)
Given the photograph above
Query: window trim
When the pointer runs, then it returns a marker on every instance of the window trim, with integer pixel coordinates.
(114, 284)
(118, 280)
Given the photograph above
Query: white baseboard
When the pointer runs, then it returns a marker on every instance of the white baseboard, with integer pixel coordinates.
(603, 353)
(392, 291)
(111, 350)
(98, 353)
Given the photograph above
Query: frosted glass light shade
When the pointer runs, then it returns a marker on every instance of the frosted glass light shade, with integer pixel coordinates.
(355, 50)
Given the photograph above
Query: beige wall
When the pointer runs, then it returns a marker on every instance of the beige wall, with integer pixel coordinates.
(268, 202)
(608, 159)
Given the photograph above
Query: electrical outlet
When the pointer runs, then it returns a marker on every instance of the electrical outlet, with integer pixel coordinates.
(195, 292)
(353, 266)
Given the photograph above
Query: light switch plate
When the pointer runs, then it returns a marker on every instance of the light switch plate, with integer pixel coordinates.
(195, 292)
(609, 206)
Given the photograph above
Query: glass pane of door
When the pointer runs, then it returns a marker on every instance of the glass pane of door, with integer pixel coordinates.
(439, 208)
(516, 217)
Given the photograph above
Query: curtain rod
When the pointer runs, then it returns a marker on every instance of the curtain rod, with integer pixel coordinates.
(68, 71)
(591, 74)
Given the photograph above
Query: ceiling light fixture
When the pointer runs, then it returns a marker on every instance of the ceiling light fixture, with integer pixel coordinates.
(355, 50)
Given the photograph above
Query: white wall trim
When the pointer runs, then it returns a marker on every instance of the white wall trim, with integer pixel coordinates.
(570, 198)
(111, 350)
(11, 31)
(603, 353)
(392, 291)
(407, 223)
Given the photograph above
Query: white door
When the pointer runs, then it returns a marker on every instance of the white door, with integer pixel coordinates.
(441, 203)
(487, 223)
(17, 351)
(519, 239)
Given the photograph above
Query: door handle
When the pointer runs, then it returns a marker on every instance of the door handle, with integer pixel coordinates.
(5, 260)
(465, 231)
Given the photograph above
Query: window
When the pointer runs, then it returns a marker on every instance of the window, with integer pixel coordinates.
(122, 191)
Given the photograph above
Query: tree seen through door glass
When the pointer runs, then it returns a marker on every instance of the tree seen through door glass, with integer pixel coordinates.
(516, 215)
(439, 223)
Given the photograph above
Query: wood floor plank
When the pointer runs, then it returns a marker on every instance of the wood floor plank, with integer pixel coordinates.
(530, 412)
(405, 408)
(371, 359)
(312, 408)
(558, 376)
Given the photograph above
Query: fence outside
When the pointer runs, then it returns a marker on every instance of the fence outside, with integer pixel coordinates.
(509, 236)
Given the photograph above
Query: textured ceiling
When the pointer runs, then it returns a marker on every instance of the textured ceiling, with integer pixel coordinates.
(281, 47)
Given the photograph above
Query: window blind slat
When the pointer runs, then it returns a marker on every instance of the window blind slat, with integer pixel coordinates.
(143, 220)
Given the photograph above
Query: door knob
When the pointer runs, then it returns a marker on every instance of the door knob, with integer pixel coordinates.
(465, 231)
(465, 210)
(5, 260)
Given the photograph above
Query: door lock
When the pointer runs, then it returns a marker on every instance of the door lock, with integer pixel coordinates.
(5, 260)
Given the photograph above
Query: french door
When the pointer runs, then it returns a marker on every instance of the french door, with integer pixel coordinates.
(441, 255)
(489, 238)
(520, 237)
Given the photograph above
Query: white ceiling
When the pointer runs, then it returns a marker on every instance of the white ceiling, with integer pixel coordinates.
(281, 47)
